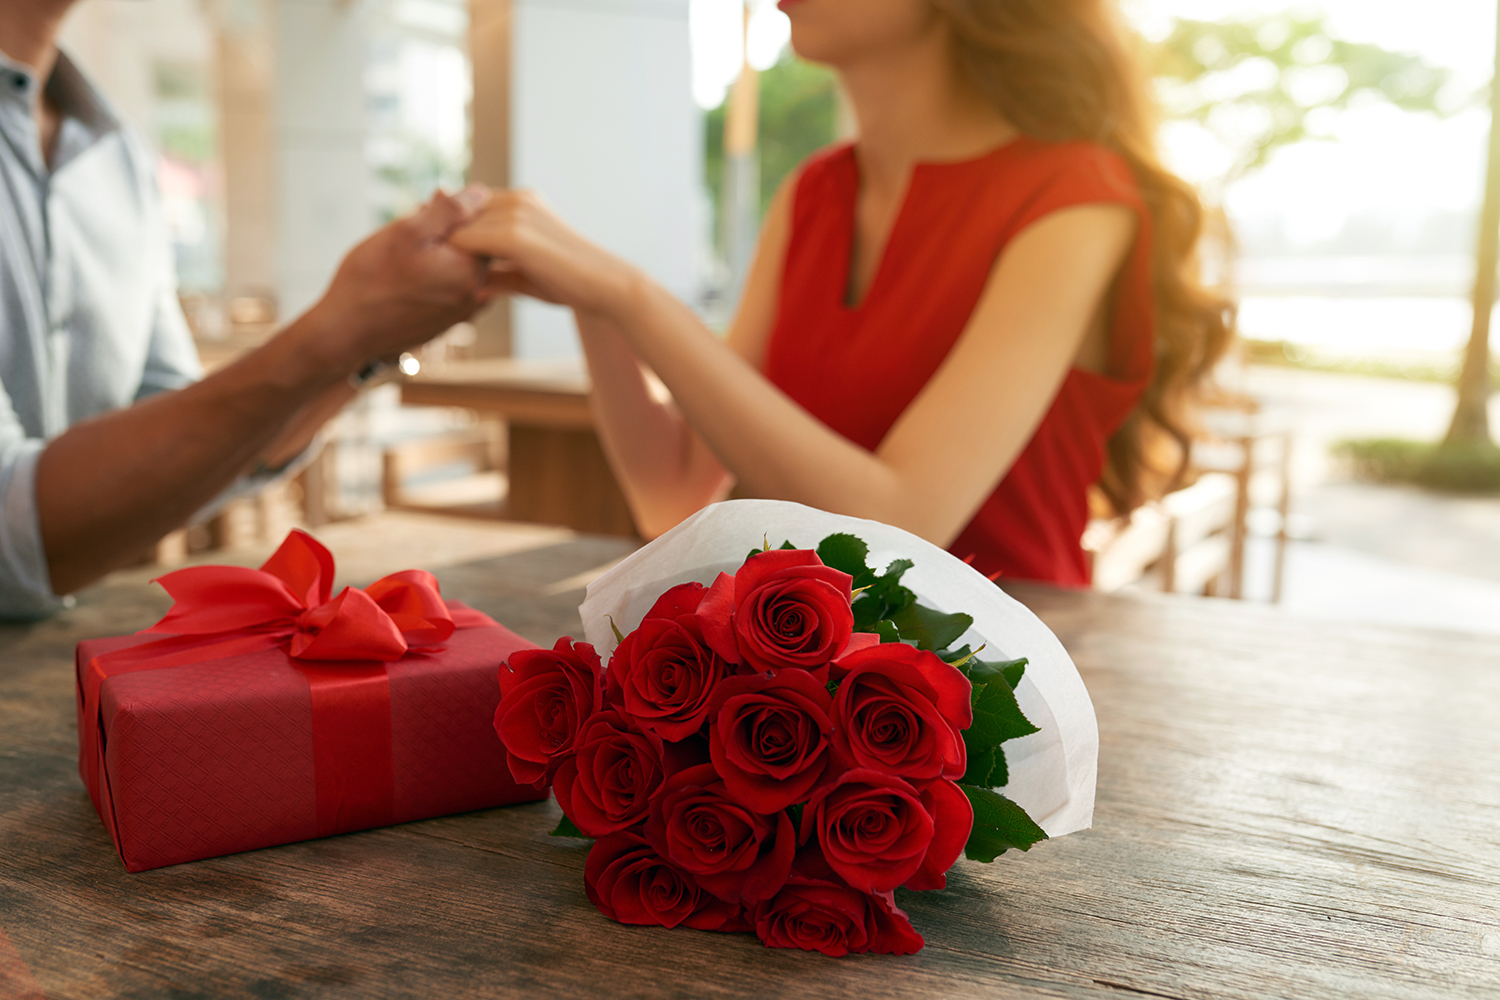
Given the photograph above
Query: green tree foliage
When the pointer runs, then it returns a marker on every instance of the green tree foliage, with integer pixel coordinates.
(798, 116)
(1262, 83)
(1257, 84)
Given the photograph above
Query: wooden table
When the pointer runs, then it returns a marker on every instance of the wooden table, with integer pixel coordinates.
(1286, 809)
(556, 468)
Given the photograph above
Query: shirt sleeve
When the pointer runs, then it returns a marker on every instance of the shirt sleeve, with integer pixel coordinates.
(25, 583)
(172, 361)
(171, 356)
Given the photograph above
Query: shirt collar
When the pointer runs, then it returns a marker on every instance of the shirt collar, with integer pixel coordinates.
(86, 116)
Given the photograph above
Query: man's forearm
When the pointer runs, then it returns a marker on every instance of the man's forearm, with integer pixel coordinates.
(299, 432)
(110, 487)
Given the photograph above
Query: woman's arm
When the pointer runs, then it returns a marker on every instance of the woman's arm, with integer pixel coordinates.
(665, 469)
(950, 447)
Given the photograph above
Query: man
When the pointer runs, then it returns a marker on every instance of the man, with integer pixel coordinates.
(108, 438)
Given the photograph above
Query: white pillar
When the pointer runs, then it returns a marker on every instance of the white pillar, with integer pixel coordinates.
(604, 126)
(246, 88)
(323, 203)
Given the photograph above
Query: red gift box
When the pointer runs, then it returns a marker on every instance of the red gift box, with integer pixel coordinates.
(272, 714)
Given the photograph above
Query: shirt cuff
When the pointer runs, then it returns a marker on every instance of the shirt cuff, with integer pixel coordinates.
(253, 482)
(25, 581)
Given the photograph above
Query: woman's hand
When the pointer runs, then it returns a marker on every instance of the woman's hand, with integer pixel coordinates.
(535, 253)
(401, 286)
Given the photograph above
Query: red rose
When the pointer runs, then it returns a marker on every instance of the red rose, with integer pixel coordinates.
(783, 609)
(544, 695)
(628, 881)
(903, 711)
(877, 831)
(872, 827)
(771, 737)
(952, 821)
(607, 784)
(732, 851)
(663, 673)
(817, 915)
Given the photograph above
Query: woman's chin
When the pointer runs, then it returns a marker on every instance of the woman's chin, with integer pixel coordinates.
(809, 47)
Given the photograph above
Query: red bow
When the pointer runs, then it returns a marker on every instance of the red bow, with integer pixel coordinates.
(287, 601)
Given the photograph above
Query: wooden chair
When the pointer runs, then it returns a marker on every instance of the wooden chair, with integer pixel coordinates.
(478, 449)
(1122, 550)
(1199, 556)
(1253, 445)
(1182, 544)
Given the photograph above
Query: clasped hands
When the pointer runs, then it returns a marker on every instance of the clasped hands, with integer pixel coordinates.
(412, 279)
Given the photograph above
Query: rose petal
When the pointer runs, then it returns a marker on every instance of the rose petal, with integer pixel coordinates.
(715, 614)
(953, 820)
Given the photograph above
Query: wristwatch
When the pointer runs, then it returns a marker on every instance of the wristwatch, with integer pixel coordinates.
(383, 370)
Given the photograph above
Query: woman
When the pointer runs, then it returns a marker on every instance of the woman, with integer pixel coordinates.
(956, 325)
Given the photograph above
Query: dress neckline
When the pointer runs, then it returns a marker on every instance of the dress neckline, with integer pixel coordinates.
(851, 206)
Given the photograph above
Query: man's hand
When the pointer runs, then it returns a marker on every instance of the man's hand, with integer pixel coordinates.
(402, 286)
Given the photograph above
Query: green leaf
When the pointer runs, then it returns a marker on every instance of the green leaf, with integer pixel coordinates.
(885, 630)
(565, 828)
(986, 671)
(997, 718)
(1000, 774)
(999, 700)
(985, 733)
(1012, 672)
(887, 586)
(930, 629)
(847, 554)
(981, 767)
(788, 544)
(883, 596)
(999, 825)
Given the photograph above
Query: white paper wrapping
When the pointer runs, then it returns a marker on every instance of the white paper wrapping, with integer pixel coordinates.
(1052, 772)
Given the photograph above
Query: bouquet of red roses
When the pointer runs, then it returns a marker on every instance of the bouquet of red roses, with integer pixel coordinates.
(776, 751)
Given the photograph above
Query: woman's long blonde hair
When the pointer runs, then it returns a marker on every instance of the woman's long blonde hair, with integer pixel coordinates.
(1068, 69)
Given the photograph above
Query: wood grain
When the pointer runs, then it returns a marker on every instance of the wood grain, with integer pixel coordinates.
(560, 476)
(1286, 809)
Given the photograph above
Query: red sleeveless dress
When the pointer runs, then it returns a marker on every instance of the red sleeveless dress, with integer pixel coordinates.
(858, 368)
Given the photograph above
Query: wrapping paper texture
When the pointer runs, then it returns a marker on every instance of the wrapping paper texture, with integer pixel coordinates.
(1052, 772)
(217, 757)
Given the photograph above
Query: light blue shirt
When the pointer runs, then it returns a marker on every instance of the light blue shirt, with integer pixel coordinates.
(89, 319)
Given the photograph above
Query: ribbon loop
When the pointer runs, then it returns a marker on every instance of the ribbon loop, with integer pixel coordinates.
(305, 566)
(349, 627)
(287, 601)
(414, 603)
(209, 600)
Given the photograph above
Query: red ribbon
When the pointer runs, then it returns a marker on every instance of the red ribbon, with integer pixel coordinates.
(341, 645)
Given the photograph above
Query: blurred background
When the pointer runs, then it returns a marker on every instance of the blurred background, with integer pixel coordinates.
(1345, 145)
